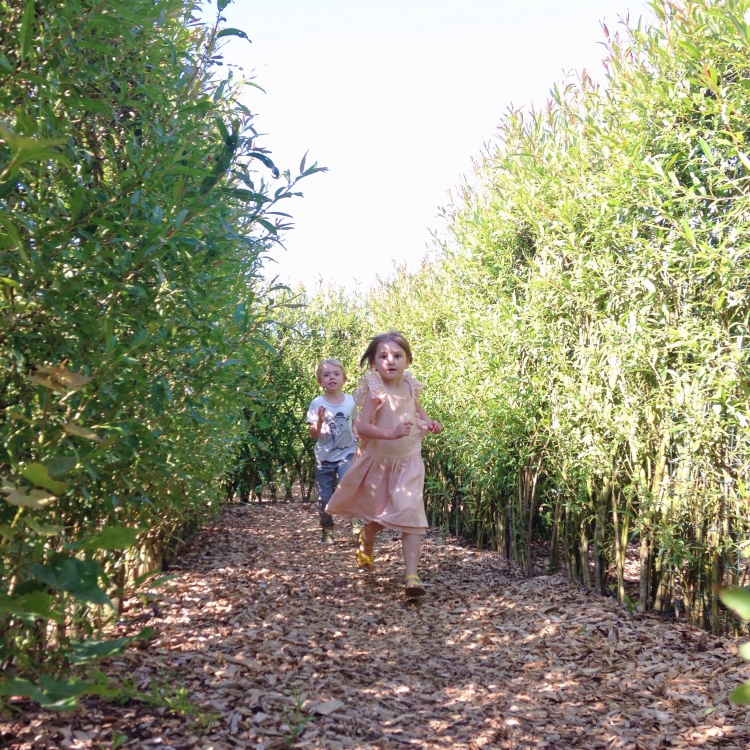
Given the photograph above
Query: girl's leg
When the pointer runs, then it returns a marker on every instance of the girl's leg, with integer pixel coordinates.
(411, 544)
(369, 532)
(366, 542)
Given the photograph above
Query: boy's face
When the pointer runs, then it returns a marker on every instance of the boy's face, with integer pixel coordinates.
(331, 378)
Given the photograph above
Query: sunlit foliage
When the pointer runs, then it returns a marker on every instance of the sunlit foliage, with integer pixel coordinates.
(135, 207)
(584, 332)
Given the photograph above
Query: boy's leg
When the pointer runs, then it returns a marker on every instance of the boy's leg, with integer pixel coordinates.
(325, 473)
(343, 467)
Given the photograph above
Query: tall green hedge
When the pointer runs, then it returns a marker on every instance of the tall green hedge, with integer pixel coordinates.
(307, 327)
(592, 312)
(136, 204)
(584, 332)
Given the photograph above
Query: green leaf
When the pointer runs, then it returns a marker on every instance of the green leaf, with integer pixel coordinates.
(11, 237)
(736, 599)
(260, 156)
(741, 694)
(78, 577)
(111, 537)
(143, 576)
(8, 532)
(9, 282)
(57, 695)
(37, 474)
(40, 528)
(27, 28)
(706, 149)
(36, 603)
(61, 465)
(26, 149)
(24, 688)
(160, 581)
(74, 429)
(744, 651)
(233, 32)
(267, 224)
(83, 652)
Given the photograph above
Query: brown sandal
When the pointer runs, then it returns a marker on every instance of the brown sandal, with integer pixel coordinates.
(414, 587)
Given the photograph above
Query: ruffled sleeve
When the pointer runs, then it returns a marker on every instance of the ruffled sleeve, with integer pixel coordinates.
(416, 386)
(370, 386)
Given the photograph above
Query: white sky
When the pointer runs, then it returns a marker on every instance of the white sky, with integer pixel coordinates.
(396, 97)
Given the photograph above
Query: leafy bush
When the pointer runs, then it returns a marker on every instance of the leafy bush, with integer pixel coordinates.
(135, 208)
(583, 334)
(305, 329)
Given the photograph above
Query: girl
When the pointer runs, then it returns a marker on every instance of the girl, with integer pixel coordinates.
(385, 483)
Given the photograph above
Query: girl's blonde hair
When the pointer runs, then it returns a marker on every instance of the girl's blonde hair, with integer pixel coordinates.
(395, 337)
(325, 362)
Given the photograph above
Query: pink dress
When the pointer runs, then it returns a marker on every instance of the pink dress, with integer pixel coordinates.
(386, 481)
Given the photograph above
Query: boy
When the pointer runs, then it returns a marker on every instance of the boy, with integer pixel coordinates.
(330, 419)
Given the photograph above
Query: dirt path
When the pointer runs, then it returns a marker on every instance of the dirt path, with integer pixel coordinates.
(260, 613)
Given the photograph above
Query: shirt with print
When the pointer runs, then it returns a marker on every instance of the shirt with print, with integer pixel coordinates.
(336, 439)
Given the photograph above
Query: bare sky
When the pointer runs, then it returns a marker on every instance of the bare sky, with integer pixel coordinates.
(396, 97)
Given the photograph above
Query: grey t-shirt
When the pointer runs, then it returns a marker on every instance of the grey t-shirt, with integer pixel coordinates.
(336, 439)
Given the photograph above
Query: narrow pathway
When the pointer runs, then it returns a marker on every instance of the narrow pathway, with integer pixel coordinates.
(261, 619)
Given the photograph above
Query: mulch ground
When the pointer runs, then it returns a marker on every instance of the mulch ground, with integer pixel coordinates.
(265, 639)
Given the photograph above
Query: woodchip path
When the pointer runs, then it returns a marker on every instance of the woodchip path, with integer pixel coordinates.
(265, 640)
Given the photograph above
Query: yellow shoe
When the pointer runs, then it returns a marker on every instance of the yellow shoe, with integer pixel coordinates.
(364, 553)
(414, 587)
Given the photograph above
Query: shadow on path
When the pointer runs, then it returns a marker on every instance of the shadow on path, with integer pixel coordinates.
(261, 619)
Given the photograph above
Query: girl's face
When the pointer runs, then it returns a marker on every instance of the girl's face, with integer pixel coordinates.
(390, 361)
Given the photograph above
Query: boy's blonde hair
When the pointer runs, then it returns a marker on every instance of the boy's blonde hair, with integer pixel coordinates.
(325, 362)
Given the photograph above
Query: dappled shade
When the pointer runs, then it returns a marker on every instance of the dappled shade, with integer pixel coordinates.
(259, 614)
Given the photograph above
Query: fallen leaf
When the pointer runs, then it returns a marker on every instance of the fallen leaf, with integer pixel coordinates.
(328, 707)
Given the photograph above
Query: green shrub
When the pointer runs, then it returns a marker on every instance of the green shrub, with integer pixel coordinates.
(583, 332)
(136, 204)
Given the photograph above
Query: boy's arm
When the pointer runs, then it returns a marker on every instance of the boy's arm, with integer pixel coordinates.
(317, 426)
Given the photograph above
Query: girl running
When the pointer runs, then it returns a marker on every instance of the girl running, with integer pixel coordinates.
(385, 483)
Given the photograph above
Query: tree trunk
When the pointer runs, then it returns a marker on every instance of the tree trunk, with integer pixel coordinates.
(554, 551)
(584, 553)
(645, 582)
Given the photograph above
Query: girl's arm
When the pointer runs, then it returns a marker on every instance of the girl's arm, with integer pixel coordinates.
(372, 432)
(435, 427)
